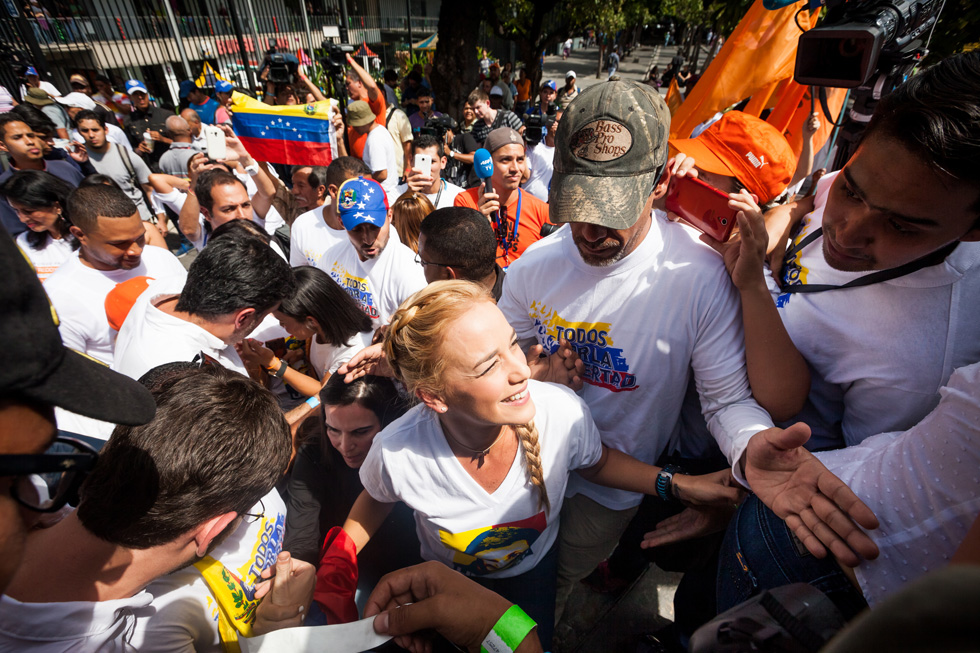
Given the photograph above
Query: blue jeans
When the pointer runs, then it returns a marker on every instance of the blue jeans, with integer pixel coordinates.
(534, 591)
(760, 552)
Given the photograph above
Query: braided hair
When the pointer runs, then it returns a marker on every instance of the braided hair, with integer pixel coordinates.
(419, 324)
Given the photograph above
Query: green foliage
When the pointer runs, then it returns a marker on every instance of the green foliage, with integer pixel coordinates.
(956, 30)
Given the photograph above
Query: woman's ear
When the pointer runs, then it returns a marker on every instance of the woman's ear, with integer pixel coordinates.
(432, 401)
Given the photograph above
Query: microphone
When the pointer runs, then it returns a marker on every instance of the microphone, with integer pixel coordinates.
(483, 167)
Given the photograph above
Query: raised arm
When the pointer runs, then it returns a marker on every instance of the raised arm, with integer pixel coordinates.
(365, 518)
(369, 84)
(189, 218)
(777, 372)
(313, 88)
(265, 188)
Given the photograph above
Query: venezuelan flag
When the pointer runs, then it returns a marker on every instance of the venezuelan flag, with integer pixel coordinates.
(295, 135)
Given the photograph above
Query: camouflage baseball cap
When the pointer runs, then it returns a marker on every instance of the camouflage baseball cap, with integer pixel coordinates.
(610, 150)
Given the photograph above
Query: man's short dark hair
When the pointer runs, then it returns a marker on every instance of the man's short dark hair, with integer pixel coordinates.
(317, 176)
(207, 180)
(462, 238)
(87, 204)
(7, 118)
(936, 115)
(88, 114)
(390, 75)
(425, 141)
(344, 168)
(218, 444)
(423, 92)
(234, 272)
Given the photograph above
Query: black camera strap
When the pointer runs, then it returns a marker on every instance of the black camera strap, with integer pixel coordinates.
(869, 279)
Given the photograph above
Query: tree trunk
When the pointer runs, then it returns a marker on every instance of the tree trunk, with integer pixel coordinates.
(454, 67)
(712, 50)
(598, 69)
(697, 49)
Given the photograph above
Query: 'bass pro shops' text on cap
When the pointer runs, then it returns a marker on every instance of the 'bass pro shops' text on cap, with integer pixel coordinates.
(610, 150)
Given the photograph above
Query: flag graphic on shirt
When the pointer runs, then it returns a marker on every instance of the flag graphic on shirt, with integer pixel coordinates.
(292, 134)
(357, 288)
(793, 270)
(605, 364)
(486, 550)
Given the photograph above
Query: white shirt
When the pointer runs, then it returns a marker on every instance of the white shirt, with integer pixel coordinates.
(47, 259)
(185, 615)
(150, 337)
(379, 154)
(78, 293)
(500, 534)
(71, 626)
(541, 158)
(445, 196)
(640, 325)
(310, 237)
(878, 354)
(922, 485)
(327, 359)
(378, 285)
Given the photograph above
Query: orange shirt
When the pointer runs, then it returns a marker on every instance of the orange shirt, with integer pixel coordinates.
(356, 140)
(534, 214)
(523, 90)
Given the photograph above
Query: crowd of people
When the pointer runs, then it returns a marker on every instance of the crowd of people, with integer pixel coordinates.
(487, 346)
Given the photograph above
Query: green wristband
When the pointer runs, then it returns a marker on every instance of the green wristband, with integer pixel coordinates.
(509, 631)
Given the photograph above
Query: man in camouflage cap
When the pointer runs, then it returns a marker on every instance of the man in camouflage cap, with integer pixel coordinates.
(640, 300)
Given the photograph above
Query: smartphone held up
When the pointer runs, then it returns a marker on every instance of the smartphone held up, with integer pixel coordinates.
(702, 206)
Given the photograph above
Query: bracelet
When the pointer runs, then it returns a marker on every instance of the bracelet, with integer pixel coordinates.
(509, 631)
(665, 479)
(313, 401)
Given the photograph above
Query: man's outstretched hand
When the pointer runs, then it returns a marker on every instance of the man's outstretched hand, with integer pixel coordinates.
(563, 367)
(819, 508)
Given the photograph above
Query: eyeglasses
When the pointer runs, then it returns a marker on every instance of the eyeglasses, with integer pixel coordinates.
(46, 482)
(421, 261)
(251, 517)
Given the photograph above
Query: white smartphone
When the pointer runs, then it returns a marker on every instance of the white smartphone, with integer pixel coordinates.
(423, 164)
(217, 150)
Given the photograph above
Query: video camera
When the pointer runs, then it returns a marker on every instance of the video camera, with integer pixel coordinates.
(336, 57)
(857, 39)
(438, 126)
(537, 126)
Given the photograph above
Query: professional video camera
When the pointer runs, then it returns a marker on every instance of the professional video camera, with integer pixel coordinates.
(536, 127)
(438, 126)
(336, 57)
(857, 39)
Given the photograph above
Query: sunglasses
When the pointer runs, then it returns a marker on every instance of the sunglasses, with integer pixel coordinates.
(48, 481)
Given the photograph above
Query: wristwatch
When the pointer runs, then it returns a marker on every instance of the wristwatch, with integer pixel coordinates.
(452, 155)
(665, 479)
(252, 169)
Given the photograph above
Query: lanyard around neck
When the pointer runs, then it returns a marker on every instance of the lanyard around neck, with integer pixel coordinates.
(868, 279)
(500, 227)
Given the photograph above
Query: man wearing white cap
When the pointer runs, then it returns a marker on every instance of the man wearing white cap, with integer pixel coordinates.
(76, 102)
(569, 91)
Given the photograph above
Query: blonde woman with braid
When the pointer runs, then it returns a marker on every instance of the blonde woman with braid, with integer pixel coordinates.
(483, 460)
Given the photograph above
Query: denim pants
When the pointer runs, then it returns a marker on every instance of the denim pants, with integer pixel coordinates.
(759, 552)
(534, 591)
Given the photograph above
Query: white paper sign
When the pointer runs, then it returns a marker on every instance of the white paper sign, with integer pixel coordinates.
(340, 638)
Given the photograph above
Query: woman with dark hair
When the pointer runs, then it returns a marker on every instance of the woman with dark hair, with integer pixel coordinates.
(321, 313)
(41, 202)
(324, 483)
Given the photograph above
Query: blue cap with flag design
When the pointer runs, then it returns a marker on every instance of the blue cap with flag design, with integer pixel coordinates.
(362, 201)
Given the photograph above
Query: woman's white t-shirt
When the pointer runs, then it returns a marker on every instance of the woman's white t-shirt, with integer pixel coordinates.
(48, 258)
(327, 359)
(500, 534)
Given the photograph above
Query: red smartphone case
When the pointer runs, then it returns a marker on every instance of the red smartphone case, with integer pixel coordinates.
(702, 206)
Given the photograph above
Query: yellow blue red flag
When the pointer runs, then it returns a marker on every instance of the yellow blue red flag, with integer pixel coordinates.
(299, 134)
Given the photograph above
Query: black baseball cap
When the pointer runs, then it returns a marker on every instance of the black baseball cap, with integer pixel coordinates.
(37, 366)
